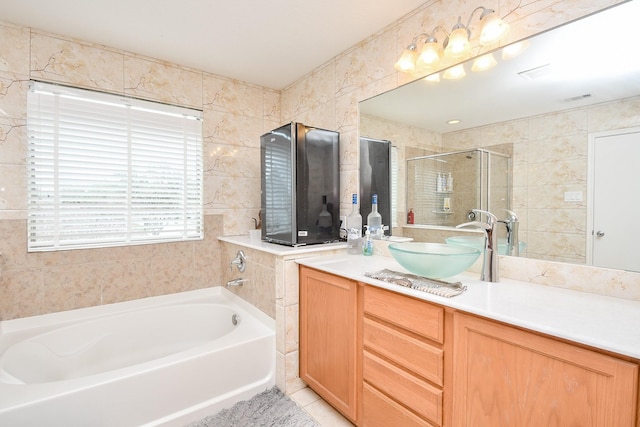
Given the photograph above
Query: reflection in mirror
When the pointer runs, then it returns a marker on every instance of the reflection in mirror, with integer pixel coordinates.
(545, 104)
(375, 178)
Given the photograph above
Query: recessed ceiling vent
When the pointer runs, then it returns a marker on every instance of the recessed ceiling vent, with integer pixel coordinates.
(577, 98)
(535, 73)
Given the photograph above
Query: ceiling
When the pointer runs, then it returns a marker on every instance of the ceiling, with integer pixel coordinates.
(586, 62)
(269, 43)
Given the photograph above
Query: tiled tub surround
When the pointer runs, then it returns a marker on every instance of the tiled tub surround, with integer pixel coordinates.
(272, 286)
(235, 114)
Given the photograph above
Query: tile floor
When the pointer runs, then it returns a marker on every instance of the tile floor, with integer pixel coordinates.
(318, 409)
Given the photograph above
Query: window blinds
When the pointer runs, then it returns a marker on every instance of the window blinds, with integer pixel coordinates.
(105, 170)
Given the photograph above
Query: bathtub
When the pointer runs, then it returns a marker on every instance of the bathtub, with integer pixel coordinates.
(165, 360)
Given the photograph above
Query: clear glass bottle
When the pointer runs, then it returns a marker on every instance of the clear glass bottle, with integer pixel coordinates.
(367, 246)
(374, 219)
(324, 219)
(354, 228)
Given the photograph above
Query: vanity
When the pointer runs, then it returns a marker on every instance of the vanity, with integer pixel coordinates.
(506, 353)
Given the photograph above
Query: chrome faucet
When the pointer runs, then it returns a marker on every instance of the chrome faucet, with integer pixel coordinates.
(240, 261)
(490, 263)
(513, 240)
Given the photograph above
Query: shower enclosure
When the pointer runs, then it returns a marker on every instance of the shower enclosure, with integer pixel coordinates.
(443, 188)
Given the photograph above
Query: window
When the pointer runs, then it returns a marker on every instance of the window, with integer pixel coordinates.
(106, 170)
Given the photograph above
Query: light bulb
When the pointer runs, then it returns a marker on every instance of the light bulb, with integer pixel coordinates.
(515, 49)
(430, 55)
(458, 44)
(492, 29)
(454, 73)
(407, 62)
(484, 62)
(434, 78)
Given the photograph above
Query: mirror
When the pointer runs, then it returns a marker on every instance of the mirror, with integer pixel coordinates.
(543, 107)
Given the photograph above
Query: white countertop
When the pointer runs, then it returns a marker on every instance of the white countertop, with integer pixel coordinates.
(603, 322)
(280, 250)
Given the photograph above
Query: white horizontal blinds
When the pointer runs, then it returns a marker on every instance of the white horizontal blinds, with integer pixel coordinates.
(104, 170)
(278, 169)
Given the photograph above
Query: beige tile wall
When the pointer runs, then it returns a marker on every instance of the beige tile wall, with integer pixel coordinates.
(330, 95)
(549, 158)
(235, 115)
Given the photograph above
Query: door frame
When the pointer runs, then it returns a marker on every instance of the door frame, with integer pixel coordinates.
(592, 136)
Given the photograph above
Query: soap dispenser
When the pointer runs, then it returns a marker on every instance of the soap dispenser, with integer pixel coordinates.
(367, 246)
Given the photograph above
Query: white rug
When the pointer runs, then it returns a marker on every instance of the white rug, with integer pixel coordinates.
(270, 408)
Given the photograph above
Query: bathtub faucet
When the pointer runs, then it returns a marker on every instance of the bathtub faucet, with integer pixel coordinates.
(240, 261)
(236, 282)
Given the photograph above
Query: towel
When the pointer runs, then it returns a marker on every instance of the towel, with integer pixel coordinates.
(432, 286)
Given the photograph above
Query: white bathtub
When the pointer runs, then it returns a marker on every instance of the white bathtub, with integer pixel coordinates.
(164, 360)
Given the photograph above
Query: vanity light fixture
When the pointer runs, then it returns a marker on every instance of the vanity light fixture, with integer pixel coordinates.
(514, 49)
(421, 58)
(454, 73)
(434, 78)
(484, 62)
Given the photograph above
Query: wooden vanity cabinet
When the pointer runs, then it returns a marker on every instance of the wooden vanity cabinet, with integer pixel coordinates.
(329, 337)
(402, 360)
(505, 376)
(385, 359)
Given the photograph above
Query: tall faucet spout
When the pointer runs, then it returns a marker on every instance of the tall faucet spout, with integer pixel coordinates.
(490, 263)
(513, 240)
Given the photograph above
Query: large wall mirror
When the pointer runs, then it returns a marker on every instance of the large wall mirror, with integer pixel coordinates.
(562, 122)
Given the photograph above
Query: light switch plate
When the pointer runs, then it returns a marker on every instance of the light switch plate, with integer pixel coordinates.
(573, 196)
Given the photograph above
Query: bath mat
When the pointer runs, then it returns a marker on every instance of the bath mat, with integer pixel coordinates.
(270, 408)
(432, 286)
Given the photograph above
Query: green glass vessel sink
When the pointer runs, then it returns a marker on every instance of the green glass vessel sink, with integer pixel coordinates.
(435, 260)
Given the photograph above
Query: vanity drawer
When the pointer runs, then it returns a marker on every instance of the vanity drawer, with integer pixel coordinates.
(405, 350)
(411, 314)
(412, 392)
(381, 411)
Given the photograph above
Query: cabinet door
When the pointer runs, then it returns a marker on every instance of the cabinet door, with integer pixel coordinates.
(328, 312)
(504, 376)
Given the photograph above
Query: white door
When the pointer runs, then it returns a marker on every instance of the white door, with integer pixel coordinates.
(616, 201)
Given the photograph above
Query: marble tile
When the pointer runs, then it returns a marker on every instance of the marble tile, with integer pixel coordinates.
(569, 172)
(13, 247)
(21, 293)
(322, 412)
(15, 49)
(271, 108)
(227, 128)
(232, 96)
(371, 60)
(292, 285)
(231, 160)
(559, 124)
(13, 137)
(616, 115)
(281, 329)
(13, 96)
(281, 379)
(159, 81)
(13, 187)
(292, 337)
(304, 397)
(56, 59)
(67, 289)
